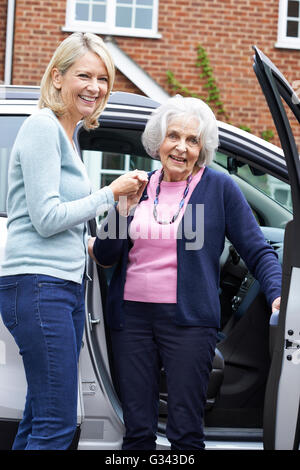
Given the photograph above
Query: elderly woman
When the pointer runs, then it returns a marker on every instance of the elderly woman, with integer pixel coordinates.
(163, 305)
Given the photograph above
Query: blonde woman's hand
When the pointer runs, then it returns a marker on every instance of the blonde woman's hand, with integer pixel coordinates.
(129, 184)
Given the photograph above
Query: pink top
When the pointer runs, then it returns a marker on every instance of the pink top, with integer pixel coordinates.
(152, 262)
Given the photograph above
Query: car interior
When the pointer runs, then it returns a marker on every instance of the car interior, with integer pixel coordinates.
(235, 397)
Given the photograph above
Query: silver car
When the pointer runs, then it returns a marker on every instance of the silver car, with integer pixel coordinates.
(253, 395)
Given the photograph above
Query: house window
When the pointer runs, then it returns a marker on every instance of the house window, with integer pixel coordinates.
(289, 24)
(117, 17)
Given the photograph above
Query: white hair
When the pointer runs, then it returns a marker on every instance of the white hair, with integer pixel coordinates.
(178, 106)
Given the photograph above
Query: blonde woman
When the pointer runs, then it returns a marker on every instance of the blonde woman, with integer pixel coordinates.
(49, 202)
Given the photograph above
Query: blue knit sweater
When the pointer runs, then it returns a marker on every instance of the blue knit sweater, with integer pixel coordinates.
(226, 214)
(48, 202)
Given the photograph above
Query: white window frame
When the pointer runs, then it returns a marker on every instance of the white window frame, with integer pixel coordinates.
(92, 160)
(109, 28)
(284, 41)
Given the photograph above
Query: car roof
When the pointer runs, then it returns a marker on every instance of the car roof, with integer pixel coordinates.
(23, 100)
(32, 93)
(129, 109)
(16, 92)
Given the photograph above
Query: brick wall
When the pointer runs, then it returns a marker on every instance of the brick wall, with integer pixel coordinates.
(226, 29)
(37, 34)
(3, 8)
(123, 84)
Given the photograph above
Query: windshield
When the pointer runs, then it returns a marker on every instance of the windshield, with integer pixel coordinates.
(9, 126)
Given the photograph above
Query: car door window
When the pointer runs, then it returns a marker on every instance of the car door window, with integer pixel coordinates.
(273, 187)
(9, 126)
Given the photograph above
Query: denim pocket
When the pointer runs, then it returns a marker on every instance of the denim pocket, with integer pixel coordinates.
(50, 281)
(8, 304)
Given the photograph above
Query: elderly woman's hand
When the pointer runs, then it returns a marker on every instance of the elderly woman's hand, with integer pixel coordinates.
(276, 304)
(129, 184)
(91, 242)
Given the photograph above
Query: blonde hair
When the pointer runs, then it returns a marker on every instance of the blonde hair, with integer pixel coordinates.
(69, 50)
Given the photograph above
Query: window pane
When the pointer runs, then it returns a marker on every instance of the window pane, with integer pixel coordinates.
(281, 195)
(293, 8)
(143, 18)
(144, 2)
(99, 13)
(124, 17)
(107, 179)
(292, 29)
(113, 161)
(82, 12)
(124, 2)
(140, 163)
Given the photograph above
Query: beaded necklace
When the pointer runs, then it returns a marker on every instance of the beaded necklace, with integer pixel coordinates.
(185, 192)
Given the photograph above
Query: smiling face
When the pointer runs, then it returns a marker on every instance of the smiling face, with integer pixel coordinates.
(82, 87)
(180, 149)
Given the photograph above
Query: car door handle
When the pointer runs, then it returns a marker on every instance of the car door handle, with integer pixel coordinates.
(93, 321)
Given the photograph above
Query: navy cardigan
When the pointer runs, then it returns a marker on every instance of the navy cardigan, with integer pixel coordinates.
(226, 213)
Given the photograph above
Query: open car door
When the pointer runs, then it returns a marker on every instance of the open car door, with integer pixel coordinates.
(281, 411)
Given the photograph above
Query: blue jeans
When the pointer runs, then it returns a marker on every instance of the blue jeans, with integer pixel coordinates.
(149, 340)
(46, 315)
